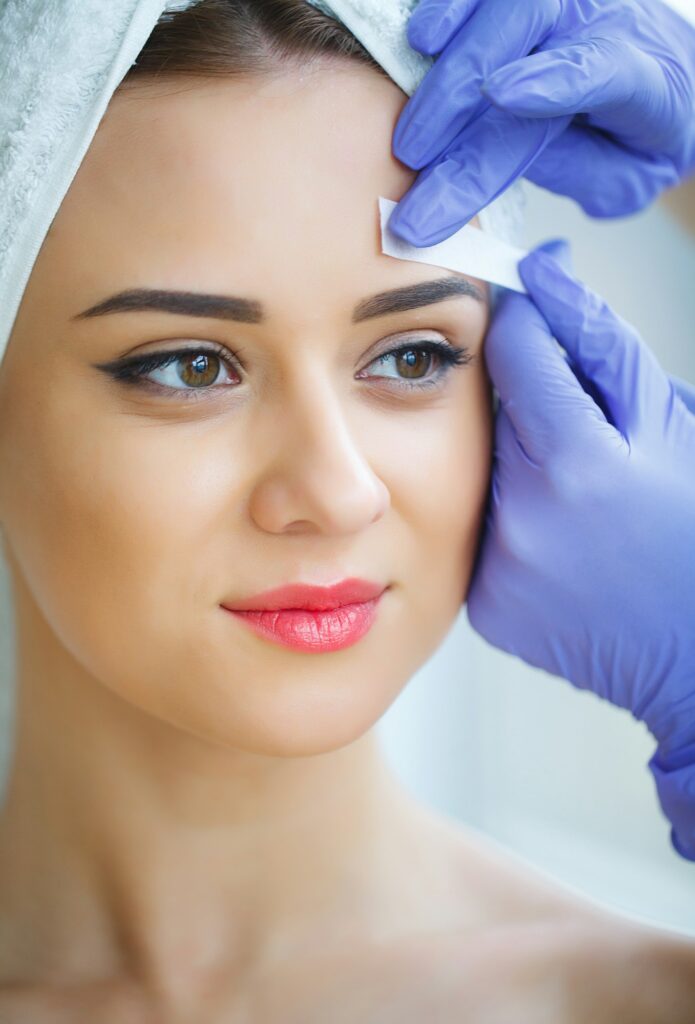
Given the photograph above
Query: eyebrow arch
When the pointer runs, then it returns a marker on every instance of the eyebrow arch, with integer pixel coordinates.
(411, 296)
(249, 311)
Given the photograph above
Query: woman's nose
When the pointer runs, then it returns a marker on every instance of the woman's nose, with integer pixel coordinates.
(319, 479)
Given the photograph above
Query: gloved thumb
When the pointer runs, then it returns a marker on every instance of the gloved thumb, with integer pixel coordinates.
(559, 249)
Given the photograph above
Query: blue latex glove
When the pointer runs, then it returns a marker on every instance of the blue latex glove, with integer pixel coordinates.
(594, 99)
(586, 566)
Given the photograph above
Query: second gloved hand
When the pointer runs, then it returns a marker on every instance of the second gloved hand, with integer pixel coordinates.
(587, 563)
(594, 100)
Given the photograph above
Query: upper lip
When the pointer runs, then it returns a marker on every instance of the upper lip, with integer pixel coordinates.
(309, 597)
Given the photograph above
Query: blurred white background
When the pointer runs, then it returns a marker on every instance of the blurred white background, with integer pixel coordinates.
(553, 772)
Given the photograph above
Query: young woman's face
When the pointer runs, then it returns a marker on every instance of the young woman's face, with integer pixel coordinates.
(298, 450)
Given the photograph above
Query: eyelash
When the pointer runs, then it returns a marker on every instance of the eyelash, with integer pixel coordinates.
(132, 371)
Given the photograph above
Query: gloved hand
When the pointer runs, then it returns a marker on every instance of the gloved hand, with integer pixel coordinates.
(594, 99)
(586, 566)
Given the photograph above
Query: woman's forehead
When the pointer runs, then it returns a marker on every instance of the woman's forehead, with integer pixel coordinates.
(266, 188)
(249, 174)
(285, 143)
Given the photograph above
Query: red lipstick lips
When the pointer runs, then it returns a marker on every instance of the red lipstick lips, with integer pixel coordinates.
(310, 618)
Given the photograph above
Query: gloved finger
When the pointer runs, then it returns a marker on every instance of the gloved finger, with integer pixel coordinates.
(491, 153)
(607, 349)
(539, 392)
(449, 95)
(580, 157)
(622, 88)
(434, 22)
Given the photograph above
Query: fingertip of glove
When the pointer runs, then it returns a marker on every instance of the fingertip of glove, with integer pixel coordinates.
(546, 265)
(559, 249)
(400, 226)
(422, 34)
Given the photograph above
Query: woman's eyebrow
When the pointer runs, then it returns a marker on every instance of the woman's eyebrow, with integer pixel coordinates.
(411, 296)
(249, 311)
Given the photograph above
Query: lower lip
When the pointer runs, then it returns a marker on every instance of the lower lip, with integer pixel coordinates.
(314, 631)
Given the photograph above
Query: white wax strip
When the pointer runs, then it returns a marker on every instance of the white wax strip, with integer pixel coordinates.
(469, 250)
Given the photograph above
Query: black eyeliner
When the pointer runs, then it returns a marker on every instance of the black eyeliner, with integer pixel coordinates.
(131, 370)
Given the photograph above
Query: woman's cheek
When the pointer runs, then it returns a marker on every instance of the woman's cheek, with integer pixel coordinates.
(90, 520)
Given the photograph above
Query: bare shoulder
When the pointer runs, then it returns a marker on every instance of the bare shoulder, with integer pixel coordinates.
(612, 969)
(558, 951)
(575, 969)
(533, 973)
(503, 942)
(568, 957)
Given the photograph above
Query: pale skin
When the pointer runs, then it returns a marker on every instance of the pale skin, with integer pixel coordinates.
(199, 825)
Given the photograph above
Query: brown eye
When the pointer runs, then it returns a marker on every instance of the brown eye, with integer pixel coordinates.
(186, 372)
(413, 362)
(424, 365)
(199, 369)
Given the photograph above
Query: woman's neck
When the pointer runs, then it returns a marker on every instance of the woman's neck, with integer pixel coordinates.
(131, 848)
